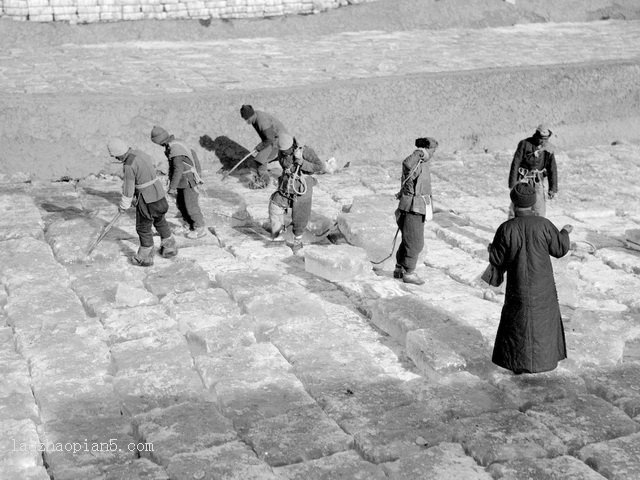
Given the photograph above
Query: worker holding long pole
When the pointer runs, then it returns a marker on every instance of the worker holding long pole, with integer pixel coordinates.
(414, 208)
(142, 184)
(268, 129)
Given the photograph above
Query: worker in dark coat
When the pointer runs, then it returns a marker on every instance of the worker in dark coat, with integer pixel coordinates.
(184, 178)
(295, 189)
(530, 336)
(534, 161)
(268, 129)
(143, 188)
(414, 204)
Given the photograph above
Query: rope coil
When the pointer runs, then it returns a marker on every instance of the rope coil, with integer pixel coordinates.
(296, 176)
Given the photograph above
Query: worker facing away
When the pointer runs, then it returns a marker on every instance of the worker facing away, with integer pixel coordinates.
(184, 179)
(414, 206)
(530, 335)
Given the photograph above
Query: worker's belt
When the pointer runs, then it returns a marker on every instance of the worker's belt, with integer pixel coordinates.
(147, 184)
(531, 176)
(196, 176)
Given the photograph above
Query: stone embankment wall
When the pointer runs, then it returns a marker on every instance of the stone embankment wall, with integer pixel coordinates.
(91, 11)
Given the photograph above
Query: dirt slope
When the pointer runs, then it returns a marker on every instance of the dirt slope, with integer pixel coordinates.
(49, 136)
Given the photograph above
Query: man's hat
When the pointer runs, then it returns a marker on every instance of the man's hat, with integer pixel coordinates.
(426, 142)
(523, 195)
(117, 147)
(543, 130)
(159, 135)
(246, 111)
(285, 141)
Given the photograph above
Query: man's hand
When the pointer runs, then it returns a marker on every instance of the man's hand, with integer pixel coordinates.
(173, 192)
(568, 228)
(125, 203)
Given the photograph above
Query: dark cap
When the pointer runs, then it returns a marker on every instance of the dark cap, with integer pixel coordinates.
(426, 142)
(523, 195)
(159, 135)
(246, 112)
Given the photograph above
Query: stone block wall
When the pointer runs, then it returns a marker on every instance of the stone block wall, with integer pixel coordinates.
(91, 11)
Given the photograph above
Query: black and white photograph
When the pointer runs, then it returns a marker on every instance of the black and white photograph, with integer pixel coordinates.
(319, 239)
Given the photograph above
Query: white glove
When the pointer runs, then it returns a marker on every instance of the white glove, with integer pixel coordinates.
(125, 203)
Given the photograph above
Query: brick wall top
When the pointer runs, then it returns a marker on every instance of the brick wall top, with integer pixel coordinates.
(91, 11)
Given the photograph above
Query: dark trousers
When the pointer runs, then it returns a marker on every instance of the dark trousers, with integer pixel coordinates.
(189, 208)
(265, 156)
(148, 214)
(412, 229)
(300, 210)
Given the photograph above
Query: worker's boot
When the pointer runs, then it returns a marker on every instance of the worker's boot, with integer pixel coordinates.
(275, 225)
(412, 277)
(275, 230)
(144, 257)
(197, 233)
(168, 247)
(398, 272)
(296, 247)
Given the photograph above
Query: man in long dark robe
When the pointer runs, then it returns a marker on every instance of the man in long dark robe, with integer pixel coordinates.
(530, 336)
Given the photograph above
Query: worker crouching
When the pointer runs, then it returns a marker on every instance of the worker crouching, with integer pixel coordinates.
(295, 190)
(142, 188)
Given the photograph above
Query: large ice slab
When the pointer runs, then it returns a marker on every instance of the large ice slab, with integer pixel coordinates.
(70, 239)
(336, 263)
(447, 460)
(583, 420)
(20, 217)
(371, 224)
(506, 435)
(27, 261)
(617, 458)
(339, 465)
(233, 460)
(564, 466)
(182, 428)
